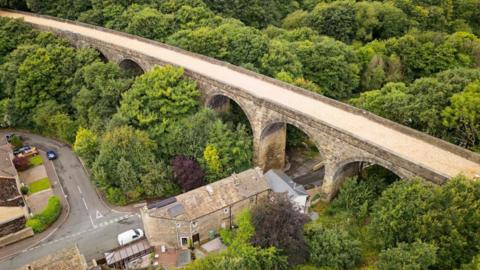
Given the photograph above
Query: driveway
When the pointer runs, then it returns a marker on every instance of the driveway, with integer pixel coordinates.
(33, 174)
(91, 224)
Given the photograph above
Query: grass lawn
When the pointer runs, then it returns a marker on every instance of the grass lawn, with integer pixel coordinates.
(36, 160)
(39, 185)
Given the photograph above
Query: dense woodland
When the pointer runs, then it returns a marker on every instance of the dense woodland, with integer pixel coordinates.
(416, 62)
(412, 61)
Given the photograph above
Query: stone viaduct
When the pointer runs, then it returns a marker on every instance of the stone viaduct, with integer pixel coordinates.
(345, 136)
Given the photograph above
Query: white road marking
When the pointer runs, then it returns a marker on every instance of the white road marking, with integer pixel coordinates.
(85, 203)
(98, 215)
(79, 190)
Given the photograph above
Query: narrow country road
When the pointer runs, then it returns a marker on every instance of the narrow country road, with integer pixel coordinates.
(91, 224)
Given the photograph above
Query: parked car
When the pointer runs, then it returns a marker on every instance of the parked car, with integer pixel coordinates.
(31, 151)
(21, 149)
(130, 236)
(51, 155)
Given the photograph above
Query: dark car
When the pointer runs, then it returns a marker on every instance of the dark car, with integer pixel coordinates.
(21, 150)
(51, 155)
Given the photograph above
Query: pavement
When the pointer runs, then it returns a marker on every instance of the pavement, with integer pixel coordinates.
(403, 145)
(90, 223)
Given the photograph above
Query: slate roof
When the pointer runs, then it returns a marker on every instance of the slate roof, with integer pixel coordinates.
(213, 197)
(66, 259)
(280, 182)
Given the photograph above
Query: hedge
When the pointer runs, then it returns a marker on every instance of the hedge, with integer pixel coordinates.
(40, 222)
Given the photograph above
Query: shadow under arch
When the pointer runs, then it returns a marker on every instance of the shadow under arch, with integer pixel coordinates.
(131, 67)
(293, 148)
(234, 112)
(357, 166)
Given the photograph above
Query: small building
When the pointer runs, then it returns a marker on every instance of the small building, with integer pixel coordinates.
(66, 259)
(196, 216)
(279, 182)
(13, 211)
(126, 257)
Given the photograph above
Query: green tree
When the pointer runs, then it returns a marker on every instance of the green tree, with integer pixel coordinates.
(332, 247)
(213, 165)
(100, 87)
(124, 152)
(158, 98)
(415, 256)
(395, 214)
(336, 19)
(86, 145)
(234, 147)
(463, 116)
(330, 64)
(148, 22)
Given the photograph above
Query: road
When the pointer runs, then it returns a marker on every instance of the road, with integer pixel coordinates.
(403, 145)
(91, 224)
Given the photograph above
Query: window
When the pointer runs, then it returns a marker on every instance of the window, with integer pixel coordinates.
(184, 241)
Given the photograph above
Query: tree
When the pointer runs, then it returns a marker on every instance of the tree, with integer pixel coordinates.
(395, 214)
(64, 9)
(188, 136)
(277, 223)
(390, 102)
(99, 87)
(415, 256)
(159, 97)
(240, 254)
(336, 19)
(124, 157)
(257, 13)
(213, 165)
(148, 22)
(463, 116)
(86, 145)
(330, 64)
(234, 147)
(51, 118)
(21, 163)
(187, 173)
(332, 247)
(12, 34)
(158, 181)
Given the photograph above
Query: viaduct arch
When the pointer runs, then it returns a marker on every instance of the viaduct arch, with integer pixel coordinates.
(342, 133)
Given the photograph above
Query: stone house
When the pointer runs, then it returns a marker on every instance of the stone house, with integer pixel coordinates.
(13, 210)
(197, 215)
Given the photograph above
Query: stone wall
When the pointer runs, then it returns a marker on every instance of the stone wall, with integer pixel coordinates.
(168, 232)
(12, 226)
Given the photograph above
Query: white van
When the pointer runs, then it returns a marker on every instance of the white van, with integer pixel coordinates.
(129, 236)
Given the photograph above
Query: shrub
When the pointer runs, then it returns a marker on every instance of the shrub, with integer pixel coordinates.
(21, 163)
(187, 172)
(36, 160)
(24, 190)
(16, 141)
(40, 222)
(355, 197)
(116, 196)
(332, 247)
(36, 225)
(415, 256)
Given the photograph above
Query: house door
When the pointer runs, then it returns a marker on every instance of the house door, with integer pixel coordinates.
(196, 238)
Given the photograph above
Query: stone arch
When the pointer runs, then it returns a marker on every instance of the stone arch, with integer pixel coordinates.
(103, 57)
(131, 67)
(273, 143)
(220, 102)
(353, 166)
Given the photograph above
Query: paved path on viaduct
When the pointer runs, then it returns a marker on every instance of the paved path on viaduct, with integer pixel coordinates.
(412, 148)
